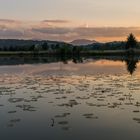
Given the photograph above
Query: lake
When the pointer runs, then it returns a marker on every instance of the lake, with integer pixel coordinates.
(83, 98)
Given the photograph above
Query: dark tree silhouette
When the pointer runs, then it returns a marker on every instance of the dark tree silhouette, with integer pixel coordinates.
(131, 42)
(131, 63)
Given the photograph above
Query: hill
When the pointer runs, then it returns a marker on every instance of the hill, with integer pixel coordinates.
(80, 42)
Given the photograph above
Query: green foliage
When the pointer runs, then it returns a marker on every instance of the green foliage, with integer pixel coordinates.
(76, 49)
(45, 46)
(62, 48)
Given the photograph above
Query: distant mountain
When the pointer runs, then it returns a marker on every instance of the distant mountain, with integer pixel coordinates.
(79, 42)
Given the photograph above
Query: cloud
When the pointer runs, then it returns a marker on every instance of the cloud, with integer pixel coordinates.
(28, 30)
(8, 33)
(106, 31)
(53, 30)
(83, 32)
(9, 21)
(56, 21)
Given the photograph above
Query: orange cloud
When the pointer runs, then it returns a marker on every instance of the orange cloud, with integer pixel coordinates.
(54, 30)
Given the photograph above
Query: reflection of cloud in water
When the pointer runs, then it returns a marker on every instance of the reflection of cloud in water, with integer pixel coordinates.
(107, 63)
(51, 68)
(61, 100)
(93, 67)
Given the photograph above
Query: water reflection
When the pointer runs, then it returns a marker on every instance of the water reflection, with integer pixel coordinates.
(50, 106)
(131, 63)
(130, 60)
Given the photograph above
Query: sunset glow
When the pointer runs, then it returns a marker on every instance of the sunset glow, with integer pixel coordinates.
(60, 20)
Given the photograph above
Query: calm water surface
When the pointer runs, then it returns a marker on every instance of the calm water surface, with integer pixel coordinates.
(92, 99)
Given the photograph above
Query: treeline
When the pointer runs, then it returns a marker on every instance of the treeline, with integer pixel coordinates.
(37, 46)
(60, 47)
(65, 48)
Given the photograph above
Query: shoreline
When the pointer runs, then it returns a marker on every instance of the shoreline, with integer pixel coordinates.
(96, 52)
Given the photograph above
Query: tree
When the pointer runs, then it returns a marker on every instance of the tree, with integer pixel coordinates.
(76, 50)
(131, 42)
(45, 46)
(31, 48)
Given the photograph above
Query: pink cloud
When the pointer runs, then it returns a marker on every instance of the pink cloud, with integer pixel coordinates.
(49, 30)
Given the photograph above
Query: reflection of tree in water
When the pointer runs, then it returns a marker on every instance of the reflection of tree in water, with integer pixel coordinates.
(131, 63)
(130, 59)
(77, 60)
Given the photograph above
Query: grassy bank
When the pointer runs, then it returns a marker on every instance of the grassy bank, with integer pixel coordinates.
(96, 52)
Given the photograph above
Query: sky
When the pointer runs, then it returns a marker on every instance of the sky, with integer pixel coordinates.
(66, 20)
